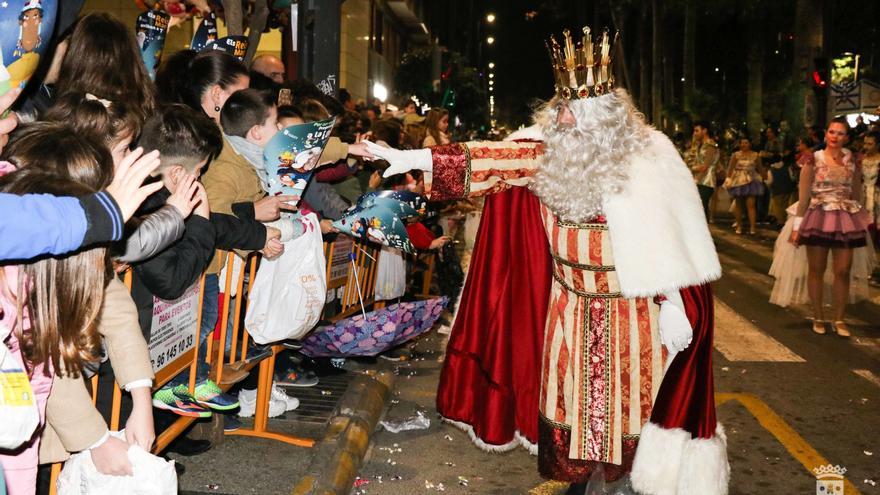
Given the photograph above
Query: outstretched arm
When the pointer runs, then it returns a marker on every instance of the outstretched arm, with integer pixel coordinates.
(470, 169)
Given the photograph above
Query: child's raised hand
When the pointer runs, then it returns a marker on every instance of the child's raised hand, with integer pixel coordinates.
(203, 209)
(184, 196)
(127, 188)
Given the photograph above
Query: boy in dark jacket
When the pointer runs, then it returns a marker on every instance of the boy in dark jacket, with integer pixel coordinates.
(187, 140)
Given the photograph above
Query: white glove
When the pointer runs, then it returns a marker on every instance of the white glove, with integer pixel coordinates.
(402, 161)
(676, 332)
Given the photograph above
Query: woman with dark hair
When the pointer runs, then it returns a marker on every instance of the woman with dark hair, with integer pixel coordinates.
(203, 81)
(103, 59)
(831, 219)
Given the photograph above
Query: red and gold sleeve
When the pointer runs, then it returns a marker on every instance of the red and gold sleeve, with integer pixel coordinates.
(473, 169)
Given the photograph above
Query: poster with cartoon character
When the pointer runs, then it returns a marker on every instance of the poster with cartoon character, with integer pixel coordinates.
(405, 204)
(377, 222)
(206, 33)
(234, 45)
(25, 31)
(150, 29)
(292, 154)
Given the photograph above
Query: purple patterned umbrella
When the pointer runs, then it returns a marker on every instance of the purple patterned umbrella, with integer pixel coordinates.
(379, 331)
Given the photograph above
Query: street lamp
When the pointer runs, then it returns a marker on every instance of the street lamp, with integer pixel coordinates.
(490, 18)
(491, 75)
(491, 65)
(490, 40)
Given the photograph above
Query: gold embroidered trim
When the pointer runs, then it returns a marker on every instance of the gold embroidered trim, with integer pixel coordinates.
(582, 226)
(579, 266)
(597, 295)
(467, 175)
(555, 424)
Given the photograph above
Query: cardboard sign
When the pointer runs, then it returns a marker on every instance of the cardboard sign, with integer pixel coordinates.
(174, 327)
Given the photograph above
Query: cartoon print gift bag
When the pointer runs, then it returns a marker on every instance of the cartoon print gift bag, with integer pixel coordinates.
(291, 156)
(25, 32)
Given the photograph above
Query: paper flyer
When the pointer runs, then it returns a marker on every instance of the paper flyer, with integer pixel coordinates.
(234, 45)
(205, 34)
(291, 156)
(150, 29)
(25, 32)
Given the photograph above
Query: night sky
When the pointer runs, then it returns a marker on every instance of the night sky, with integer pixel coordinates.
(523, 76)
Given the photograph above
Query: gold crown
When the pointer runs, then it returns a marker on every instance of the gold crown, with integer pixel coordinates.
(582, 70)
(830, 471)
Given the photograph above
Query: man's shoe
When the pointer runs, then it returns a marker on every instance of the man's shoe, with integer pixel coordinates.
(210, 395)
(181, 404)
(233, 374)
(188, 446)
(299, 378)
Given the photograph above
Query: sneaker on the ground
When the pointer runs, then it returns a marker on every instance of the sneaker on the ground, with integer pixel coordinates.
(209, 394)
(231, 423)
(248, 404)
(299, 378)
(182, 404)
(290, 403)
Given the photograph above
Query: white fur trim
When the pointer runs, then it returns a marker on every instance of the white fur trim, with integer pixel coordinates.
(658, 456)
(704, 467)
(518, 439)
(532, 132)
(670, 462)
(658, 230)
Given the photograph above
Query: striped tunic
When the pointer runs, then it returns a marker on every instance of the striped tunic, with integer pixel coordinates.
(603, 361)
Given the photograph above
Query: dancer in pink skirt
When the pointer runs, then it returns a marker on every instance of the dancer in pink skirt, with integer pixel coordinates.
(831, 218)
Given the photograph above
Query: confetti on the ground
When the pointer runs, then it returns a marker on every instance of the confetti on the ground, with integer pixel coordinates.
(358, 482)
(448, 437)
(867, 452)
(871, 482)
(463, 481)
(725, 368)
(326, 392)
(213, 487)
(450, 464)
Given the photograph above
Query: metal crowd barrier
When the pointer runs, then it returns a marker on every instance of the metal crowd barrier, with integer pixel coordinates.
(342, 255)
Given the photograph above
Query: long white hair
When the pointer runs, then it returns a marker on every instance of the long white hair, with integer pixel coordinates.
(585, 162)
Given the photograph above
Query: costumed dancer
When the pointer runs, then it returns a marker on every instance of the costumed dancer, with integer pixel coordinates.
(829, 221)
(870, 180)
(605, 186)
(744, 183)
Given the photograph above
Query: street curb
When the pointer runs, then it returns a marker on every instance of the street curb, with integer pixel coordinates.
(338, 455)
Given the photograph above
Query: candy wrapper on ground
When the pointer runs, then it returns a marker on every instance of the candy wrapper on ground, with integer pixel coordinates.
(25, 32)
(150, 30)
(291, 156)
(379, 331)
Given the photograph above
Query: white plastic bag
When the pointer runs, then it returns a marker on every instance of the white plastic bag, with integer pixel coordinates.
(390, 275)
(18, 407)
(288, 295)
(152, 475)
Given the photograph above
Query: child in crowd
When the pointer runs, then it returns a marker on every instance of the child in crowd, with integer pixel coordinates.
(187, 140)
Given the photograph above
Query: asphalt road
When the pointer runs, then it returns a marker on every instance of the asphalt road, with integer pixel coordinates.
(790, 401)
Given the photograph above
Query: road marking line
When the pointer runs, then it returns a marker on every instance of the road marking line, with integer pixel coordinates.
(740, 340)
(785, 434)
(868, 375)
